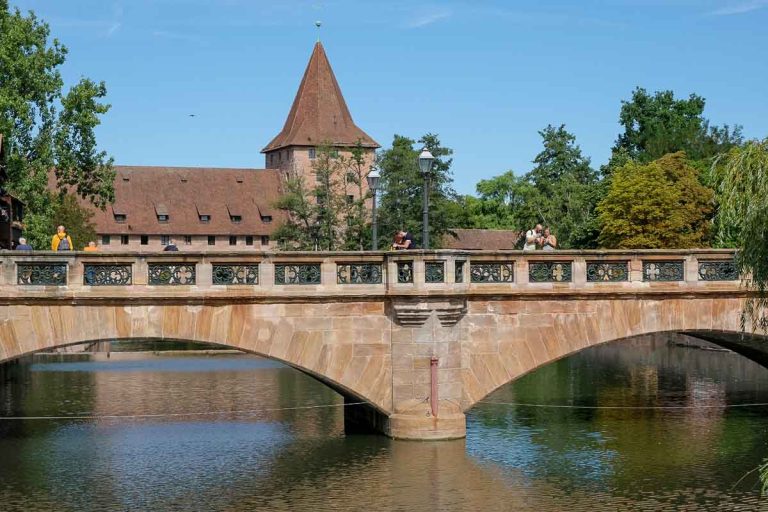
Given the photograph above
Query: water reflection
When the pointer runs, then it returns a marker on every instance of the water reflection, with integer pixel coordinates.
(258, 453)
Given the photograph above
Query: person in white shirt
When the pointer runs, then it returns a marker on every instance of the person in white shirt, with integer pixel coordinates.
(532, 238)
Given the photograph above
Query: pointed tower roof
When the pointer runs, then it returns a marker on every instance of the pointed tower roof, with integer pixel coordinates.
(319, 113)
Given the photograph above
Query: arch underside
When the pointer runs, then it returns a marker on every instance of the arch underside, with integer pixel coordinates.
(357, 366)
(529, 336)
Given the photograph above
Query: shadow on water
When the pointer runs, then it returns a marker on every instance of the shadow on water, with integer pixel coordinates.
(254, 451)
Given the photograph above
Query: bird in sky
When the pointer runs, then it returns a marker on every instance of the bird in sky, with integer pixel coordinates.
(191, 115)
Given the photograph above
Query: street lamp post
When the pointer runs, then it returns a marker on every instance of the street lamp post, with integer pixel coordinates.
(373, 184)
(425, 165)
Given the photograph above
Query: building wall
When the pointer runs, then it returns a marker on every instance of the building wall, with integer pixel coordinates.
(198, 243)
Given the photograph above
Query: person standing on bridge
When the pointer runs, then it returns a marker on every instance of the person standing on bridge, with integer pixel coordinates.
(548, 241)
(533, 238)
(23, 245)
(61, 241)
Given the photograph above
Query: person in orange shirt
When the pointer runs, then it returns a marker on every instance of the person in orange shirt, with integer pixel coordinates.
(91, 247)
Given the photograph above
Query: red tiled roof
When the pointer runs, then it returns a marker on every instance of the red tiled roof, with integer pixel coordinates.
(319, 113)
(185, 193)
(481, 239)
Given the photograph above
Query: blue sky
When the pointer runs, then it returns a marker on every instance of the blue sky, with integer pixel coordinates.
(484, 75)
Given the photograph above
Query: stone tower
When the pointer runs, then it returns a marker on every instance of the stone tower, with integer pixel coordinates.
(318, 116)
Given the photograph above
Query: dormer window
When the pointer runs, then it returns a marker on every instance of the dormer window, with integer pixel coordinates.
(266, 219)
(162, 213)
(162, 218)
(205, 219)
(237, 219)
(120, 218)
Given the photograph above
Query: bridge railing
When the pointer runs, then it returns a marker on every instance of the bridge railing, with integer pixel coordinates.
(362, 273)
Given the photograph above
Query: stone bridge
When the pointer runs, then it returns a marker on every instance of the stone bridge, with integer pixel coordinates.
(418, 336)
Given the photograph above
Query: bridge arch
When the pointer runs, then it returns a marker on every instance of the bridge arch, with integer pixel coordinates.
(529, 335)
(304, 338)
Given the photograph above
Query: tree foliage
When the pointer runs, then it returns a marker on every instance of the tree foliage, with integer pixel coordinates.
(400, 206)
(320, 214)
(658, 205)
(43, 127)
(742, 189)
(659, 124)
(61, 210)
(561, 191)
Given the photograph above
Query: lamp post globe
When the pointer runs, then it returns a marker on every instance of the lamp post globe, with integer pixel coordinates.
(374, 178)
(425, 166)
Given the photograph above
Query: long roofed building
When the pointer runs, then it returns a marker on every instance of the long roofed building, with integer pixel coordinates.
(230, 209)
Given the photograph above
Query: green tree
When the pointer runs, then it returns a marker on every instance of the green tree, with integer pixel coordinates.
(61, 210)
(658, 124)
(660, 204)
(43, 127)
(321, 214)
(401, 197)
(742, 190)
(562, 191)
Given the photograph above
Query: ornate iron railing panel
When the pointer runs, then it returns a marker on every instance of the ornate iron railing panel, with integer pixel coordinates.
(116, 274)
(173, 274)
(607, 271)
(305, 273)
(459, 271)
(235, 274)
(550, 271)
(492, 272)
(359, 273)
(666, 270)
(718, 270)
(404, 271)
(51, 274)
(434, 271)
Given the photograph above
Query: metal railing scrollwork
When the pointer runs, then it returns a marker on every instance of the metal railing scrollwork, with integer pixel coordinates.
(492, 272)
(171, 274)
(718, 270)
(459, 271)
(107, 275)
(359, 273)
(50, 274)
(550, 271)
(404, 272)
(664, 270)
(607, 271)
(434, 272)
(305, 273)
(235, 274)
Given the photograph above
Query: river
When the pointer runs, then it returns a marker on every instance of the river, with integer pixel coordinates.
(633, 425)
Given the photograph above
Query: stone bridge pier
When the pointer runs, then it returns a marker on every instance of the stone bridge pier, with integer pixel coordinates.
(411, 339)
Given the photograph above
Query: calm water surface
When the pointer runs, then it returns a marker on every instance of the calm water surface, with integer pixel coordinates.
(252, 450)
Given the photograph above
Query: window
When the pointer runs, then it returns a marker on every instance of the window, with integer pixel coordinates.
(205, 219)
(249, 240)
(120, 218)
(187, 240)
(312, 153)
(232, 240)
(105, 240)
(165, 240)
(123, 239)
(350, 199)
(211, 240)
(264, 240)
(162, 218)
(144, 239)
(236, 218)
(266, 219)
